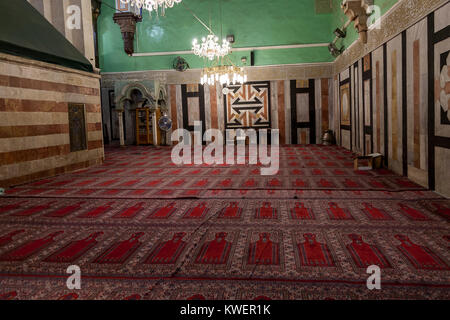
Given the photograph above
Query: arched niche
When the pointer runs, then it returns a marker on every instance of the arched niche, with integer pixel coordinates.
(133, 95)
(162, 100)
(127, 92)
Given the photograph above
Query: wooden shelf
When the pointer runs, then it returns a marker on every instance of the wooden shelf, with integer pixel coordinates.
(143, 126)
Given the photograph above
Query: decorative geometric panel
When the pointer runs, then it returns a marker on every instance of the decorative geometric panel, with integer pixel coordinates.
(396, 125)
(303, 111)
(438, 36)
(192, 87)
(345, 104)
(248, 105)
(194, 110)
(366, 97)
(302, 107)
(417, 98)
(302, 83)
(367, 62)
(444, 84)
(378, 100)
(367, 102)
(77, 127)
(193, 105)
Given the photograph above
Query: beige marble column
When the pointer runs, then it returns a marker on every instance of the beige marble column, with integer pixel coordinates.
(88, 34)
(155, 129)
(121, 134)
(48, 10)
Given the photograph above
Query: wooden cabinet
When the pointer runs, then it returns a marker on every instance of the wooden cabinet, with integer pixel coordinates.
(143, 126)
(147, 127)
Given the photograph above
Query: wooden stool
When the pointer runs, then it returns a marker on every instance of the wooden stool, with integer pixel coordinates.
(377, 160)
(374, 161)
(359, 166)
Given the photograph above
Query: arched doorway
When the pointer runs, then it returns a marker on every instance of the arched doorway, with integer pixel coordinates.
(136, 95)
(132, 96)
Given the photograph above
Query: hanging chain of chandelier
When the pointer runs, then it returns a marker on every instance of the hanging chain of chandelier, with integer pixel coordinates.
(222, 69)
(152, 5)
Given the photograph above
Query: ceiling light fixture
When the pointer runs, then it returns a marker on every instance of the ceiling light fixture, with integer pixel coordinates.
(340, 33)
(152, 5)
(210, 47)
(218, 66)
(230, 38)
(226, 74)
(334, 50)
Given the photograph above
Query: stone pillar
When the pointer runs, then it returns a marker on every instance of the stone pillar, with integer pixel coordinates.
(127, 23)
(155, 129)
(96, 10)
(121, 134)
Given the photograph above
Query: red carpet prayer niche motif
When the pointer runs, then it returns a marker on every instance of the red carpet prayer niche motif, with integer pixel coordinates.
(140, 227)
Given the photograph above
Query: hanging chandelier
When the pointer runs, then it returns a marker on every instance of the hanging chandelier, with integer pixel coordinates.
(224, 75)
(224, 71)
(152, 5)
(218, 66)
(210, 47)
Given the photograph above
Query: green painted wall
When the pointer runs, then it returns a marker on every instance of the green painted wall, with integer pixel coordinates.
(253, 22)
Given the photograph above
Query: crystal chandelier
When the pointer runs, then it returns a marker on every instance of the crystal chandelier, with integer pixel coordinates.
(152, 5)
(210, 48)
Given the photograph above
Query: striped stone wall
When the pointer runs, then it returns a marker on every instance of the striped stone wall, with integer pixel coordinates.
(280, 108)
(398, 102)
(314, 108)
(34, 122)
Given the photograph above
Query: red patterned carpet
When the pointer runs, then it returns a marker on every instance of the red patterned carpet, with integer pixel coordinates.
(140, 227)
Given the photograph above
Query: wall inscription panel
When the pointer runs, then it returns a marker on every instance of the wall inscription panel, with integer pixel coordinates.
(77, 127)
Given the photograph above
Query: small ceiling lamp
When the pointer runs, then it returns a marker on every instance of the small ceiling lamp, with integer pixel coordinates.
(340, 33)
(230, 38)
(334, 50)
(152, 5)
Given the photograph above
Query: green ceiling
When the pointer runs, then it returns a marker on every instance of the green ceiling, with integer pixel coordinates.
(252, 22)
